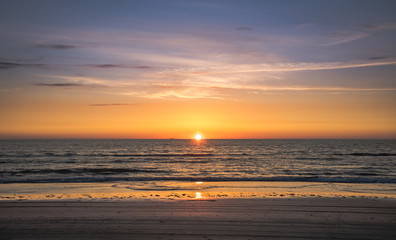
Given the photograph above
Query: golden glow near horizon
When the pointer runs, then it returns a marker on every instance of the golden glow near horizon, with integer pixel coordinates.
(198, 137)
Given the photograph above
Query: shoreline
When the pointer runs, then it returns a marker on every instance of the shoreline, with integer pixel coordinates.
(171, 190)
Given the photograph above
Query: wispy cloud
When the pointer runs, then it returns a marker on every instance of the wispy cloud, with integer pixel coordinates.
(342, 37)
(382, 26)
(59, 85)
(207, 87)
(244, 29)
(218, 82)
(10, 65)
(227, 90)
(380, 58)
(307, 88)
(277, 67)
(187, 92)
(56, 46)
(118, 66)
(87, 81)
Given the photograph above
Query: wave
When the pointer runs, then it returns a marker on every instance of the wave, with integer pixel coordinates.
(69, 154)
(162, 155)
(84, 170)
(358, 154)
(317, 158)
(204, 179)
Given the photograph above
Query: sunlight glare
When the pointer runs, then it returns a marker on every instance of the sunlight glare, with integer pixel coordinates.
(198, 137)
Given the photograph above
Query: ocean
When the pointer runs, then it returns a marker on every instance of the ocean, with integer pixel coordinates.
(98, 161)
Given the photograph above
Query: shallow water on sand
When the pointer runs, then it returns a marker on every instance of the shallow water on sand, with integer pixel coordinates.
(179, 190)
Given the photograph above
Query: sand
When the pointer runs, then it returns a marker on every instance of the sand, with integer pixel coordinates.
(198, 210)
(287, 218)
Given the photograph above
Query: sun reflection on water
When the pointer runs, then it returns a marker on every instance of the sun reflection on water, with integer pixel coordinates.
(198, 195)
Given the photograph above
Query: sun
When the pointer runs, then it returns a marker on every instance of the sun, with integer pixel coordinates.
(198, 137)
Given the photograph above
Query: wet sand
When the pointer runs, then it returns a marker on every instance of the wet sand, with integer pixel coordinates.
(168, 190)
(287, 218)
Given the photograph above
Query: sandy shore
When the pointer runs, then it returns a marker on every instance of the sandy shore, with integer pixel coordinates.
(298, 218)
(168, 190)
(197, 210)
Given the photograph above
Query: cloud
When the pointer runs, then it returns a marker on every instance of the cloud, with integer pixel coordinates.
(344, 37)
(380, 58)
(244, 29)
(184, 85)
(108, 104)
(224, 91)
(118, 66)
(308, 88)
(59, 84)
(86, 81)
(187, 92)
(382, 26)
(10, 65)
(276, 67)
(56, 46)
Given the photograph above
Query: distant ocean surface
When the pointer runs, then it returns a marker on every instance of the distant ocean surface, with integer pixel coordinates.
(338, 161)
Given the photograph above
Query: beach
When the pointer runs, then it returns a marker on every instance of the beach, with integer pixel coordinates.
(301, 218)
(198, 210)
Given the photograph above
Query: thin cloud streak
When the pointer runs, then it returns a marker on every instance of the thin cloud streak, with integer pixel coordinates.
(380, 58)
(244, 29)
(279, 67)
(219, 92)
(383, 26)
(187, 93)
(162, 89)
(56, 46)
(58, 85)
(11, 65)
(84, 81)
(345, 38)
(208, 82)
(117, 66)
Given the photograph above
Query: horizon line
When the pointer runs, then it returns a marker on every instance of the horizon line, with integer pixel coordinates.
(203, 139)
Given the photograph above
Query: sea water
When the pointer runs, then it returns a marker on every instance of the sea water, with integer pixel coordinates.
(98, 161)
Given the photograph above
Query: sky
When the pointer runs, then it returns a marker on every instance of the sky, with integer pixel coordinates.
(175, 68)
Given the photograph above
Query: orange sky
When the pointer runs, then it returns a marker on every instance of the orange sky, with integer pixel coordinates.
(290, 114)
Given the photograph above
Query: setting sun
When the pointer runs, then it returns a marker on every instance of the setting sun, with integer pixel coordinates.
(198, 137)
